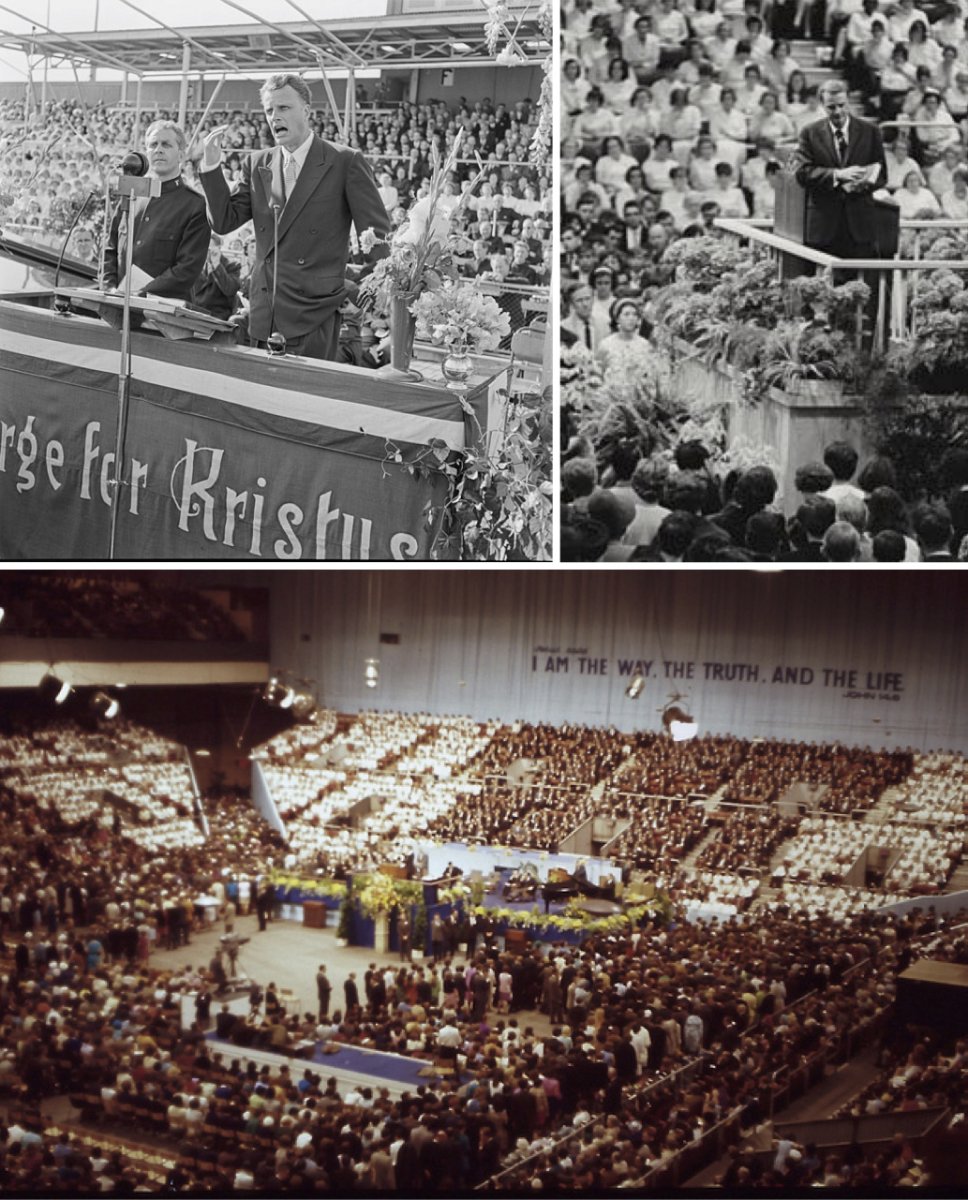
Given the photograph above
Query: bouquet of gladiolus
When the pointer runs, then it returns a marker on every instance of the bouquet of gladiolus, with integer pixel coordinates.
(418, 255)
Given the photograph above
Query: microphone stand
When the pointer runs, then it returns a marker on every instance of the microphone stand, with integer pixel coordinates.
(63, 249)
(130, 187)
(275, 342)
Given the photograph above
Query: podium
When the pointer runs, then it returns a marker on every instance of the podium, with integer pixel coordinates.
(169, 317)
(790, 220)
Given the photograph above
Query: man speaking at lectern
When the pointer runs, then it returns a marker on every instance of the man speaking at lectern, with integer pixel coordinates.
(840, 161)
(302, 196)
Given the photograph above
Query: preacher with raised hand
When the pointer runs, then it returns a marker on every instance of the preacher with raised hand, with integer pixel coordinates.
(302, 195)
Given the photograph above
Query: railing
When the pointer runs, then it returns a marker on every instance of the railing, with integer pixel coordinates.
(892, 319)
(713, 1143)
(673, 1079)
(903, 126)
(196, 793)
(877, 1127)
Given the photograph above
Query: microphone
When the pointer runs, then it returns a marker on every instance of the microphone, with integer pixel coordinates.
(134, 163)
(275, 342)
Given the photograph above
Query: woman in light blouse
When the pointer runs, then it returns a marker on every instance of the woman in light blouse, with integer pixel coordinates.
(681, 123)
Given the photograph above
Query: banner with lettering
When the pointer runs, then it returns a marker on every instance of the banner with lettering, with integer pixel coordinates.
(863, 657)
(227, 454)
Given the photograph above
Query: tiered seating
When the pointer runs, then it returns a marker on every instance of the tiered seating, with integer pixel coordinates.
(447, 744)
(825, 849)
(114, 607)
(747, 839)
(716, 889)
(936, 791)
(855, 778)
(662, 832)
(132, 775)
(302, 742)
(840, 903)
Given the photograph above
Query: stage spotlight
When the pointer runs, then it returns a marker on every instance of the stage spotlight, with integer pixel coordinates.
(303, 706)
(3, 613)
(104, 707)
(680, 726)
(635, 687)
(53, 689)
(372, 672)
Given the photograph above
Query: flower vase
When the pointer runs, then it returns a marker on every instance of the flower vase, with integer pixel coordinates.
(402, 328)
(457, 367)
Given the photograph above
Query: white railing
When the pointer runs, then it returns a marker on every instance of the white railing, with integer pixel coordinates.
(893, 320)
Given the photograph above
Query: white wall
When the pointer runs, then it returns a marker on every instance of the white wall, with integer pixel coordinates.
(518, 643)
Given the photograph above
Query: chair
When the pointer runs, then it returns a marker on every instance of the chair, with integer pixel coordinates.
(527, 358)
(290, 1002)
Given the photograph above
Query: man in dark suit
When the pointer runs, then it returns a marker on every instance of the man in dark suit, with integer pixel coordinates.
(833, 162)
(218, 285)
(171, 231)
(312, 191)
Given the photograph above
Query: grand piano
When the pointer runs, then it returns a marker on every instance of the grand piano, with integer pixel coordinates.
(561, 884)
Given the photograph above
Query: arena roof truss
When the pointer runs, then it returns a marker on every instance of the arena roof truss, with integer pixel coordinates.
(389, 42)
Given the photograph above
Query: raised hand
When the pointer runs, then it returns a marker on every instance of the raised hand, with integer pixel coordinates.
(212, 155)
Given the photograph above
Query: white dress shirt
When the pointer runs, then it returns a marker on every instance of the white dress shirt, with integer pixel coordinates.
(299, 155)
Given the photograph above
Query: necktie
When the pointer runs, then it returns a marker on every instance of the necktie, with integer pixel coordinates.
(289, 175)
(588, 334)
(841, 147)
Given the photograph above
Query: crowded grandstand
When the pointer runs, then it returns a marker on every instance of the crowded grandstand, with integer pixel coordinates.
(680, 125)
(59, 147)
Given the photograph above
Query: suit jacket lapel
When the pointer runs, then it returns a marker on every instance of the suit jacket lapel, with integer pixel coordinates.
(830, 143)
(855, 132)
(318, 162)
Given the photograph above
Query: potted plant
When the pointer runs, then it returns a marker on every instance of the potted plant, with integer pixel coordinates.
(345, 926)
(418, 937)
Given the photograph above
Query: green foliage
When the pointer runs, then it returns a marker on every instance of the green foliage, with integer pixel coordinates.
(418, 937)
(577, 922)
(345, 927)
(312, 887)
(731, 306)
(498, 503)
(378, 894)
(913, 429)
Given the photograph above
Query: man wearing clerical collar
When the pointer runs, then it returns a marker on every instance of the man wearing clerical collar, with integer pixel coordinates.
(171, 231)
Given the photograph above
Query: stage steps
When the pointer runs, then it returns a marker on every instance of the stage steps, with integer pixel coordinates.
(813, 59)
(689, 862)
(885, 808)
